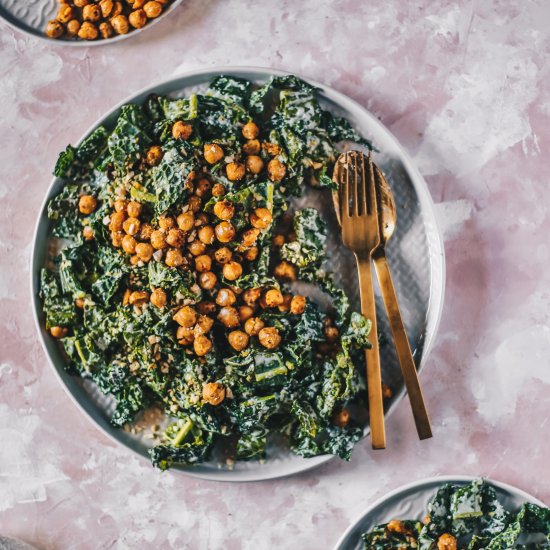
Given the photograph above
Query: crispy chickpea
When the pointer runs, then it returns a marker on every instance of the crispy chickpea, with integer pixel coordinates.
(331, 334)
(182, 130)
(136, 4)
(261, 218)
(117, 9)
(134, 260)
(106, 29)
(120, 205)
(59, 332)
(186, 316)
(166, 223)
(81, 3)
(145, 231)
(91, 13)
(218, 190)
(158, 298)
(276, 170)
(225, 232)
(155, 153)
(204, 325)
(106, 7)
(232, 270)
(185, 335)
(446, 542)
(121, 26)
(65, 13)
(250, 236)
(251, 296)
(175, 238)
(196, 248)
(207, 280)
(201, 219)
(273, 297)
(117, 221)
(297, 305)
(251, 147)
(206, 307)
(213, 393)
(285, 271)
(87, 233)
(72, 27)
(285, 306)
(144, 251)
(116, 238)
(252, 253)
(129, 244)
(54, 29)
(271, 149)
(202, 345)
(186, 221)
(254, 164)
(251, 130)
(203, 187)
(174, 257)
(269, 337)
(131, 226)
(224, 210)
(341, 418)
(134, 209)
(253, 326)
(223, 255)
(194, 203)
(139, 297)
(228, 317)
(203, 263)
(213, 153)
(225, 297)
(278, 240)
(152, 9)
(245, 313)
(158, 240)
(238, 339)
(206, 234)
(87, 204)
(138, 19)
(235, 171)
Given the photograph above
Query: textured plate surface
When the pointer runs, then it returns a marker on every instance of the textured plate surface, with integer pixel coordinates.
(415, 254)
(411, 502)
(31, 16)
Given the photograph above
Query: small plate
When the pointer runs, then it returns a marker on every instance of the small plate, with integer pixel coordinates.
(31, 17)
(411, 502)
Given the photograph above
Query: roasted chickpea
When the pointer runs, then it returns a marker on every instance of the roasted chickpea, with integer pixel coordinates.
(207, 280)
(202, 345)
(121, 26)
(185, 335)
(186, 316)
(155, 153)
(152, 9)
(196, 248)
(166, 223)
(87, 204)
(203, 263)
(249, 237)
(139, 297)
(251, 296)
(54, 29)
(133, 209)
(213, 393)
(254, 164)
(213, 153)
(158, 297)
(72, 27)
(261, 218)
(271, 149)
(245, 313)
(269, 337)
(225, 232)
(228, 317)
(117, 221)
(235, 171)
(253, 326)
(224, 210)
(203, 187)
(206, 234)
(117, 9)
(81, 3)
(252, 253)
(129, 244)
(144, 251)
(223, 255)
(225, 297)
(251, 130)
(297, 305)
(138, 19)
(131, 226)
(201, 219)
(251, 147)
(134, 260)
(106, 29)
(341, 419)
(331, 334)
(194, 203)
(218, 190)
(174, 257)
(204, 325)
(186, 221)
(87, 233)
(237, 339)
(145, 231)
(116, 238)
(65, 13)
(91, 13)
(158, 239)
(206, 308)
(136, 4)
(182, 130)
(446, 542)
(120, 205)
(276, 170)
(285, 271)
(232, 270)
(59, 332)
(106, 7)
(175, 238)
(273, 297)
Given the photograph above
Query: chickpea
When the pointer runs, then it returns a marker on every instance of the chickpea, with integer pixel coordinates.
(203, 263)
(182, 130)
(59, 332)
(121, 26)
(285, 271)
(252, 253)
(285, 306)
(225, 232)
(107, 7)
(276, 170)
(81, 3)
(116, 238)
(136, 4)
(158, 298)
(131, 226)
(117, 221)
(152, 9)
(206, 308)
(232, 270)
(250, 236)
(235, 171)
(72, 27)
(138, 19)
(203, 187)
(278, 240)
(87, 233)
(251, 130)
(254, 164)
(196, 248)
(253, 326)
(218, 190)
(129, 244)
(185, 335)
(251, 147)
(297, 305)
(155, 153)
(341, 419)
(174, 257)
(65, 13)
(245, 313)
(331, 334)
(238, 340)
(213, 153)
(446, 542)
(120, 205)
(139, 297)
(213, 393)
(144, 251)
(87, 204)
(201, 219)
(166, 223)
(186, 221)
(91, 13)
(223, 255)
(54, 29)
(194, 203)
(251, 296)
(186, 316)
(271, 149)
(269, 337)
(134, 209)
(204, 325)
(207, 280)
(225, 297)
(158, 240)
(145, 231)
(261, 218)
(206, 234)
(117, 9)
(175, 238)
(106, 29)
(224, 210)
(202, 345)
(228, 317)
(273, 297)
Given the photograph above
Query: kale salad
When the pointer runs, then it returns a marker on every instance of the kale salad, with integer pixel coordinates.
(468, 517)
(178, 257)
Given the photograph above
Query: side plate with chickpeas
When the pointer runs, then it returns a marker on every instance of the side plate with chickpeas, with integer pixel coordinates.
(187, 274)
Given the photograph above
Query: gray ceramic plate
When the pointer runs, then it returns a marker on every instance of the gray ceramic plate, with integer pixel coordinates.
(411, 501)
(31, 16)
(415, 255)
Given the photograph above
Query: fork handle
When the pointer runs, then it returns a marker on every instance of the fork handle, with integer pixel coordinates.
(374, 376)
(402, 346)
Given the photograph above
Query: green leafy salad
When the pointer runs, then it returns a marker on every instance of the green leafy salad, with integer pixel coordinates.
(468, 517)
(179, 255)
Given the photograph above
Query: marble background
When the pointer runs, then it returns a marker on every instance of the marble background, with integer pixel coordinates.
(465, 86)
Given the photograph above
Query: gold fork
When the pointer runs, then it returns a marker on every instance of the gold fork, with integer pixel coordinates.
(361, 234)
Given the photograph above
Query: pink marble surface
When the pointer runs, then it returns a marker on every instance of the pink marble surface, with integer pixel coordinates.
(465, 87)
